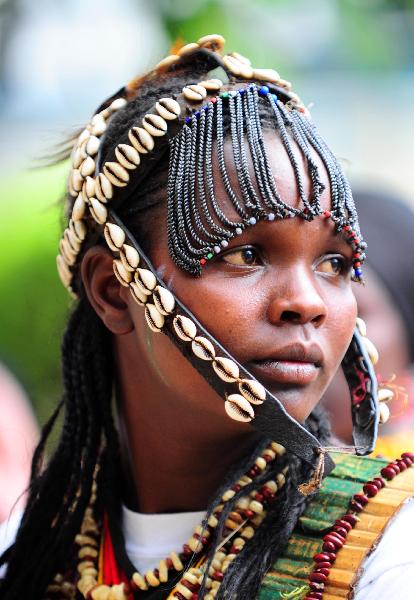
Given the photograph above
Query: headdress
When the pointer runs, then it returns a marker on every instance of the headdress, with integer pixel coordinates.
(188, 125)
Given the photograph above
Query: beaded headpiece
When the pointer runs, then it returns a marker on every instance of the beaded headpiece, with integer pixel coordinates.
(189, 125)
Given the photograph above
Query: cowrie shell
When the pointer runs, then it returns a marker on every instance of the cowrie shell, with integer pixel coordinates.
(98, 125)
(114, 236)
(155, 319)
(155, 125)
(194, 93)
(117, 104)
(79, 207)
(66, 251)
(103, 188)
(163, 300)
(184, 327)
(168, 109)
(84, 135)
(371, 349)
(252, 390)
(137, 294)
(232, 64)
(145, 280)
(361, 326)
(73, 240)
(89, 188)
(129, 257)
(98, 211)
(79, 229)
(141, 139)
(188, 49)
(127, 156)
(238, 408)
(385, 395)
(241, 58)
(63, 271)
(384, 413)
(214, 42)
(116, 174)
(266, 75)
(167, 61)
(77, 157)
(203, 348)
(76, 180)
(212, 85)
(124, 277)
(92, 145)
(226, 369)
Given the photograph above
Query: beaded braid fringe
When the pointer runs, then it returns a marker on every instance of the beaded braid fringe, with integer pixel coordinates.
(247, 515)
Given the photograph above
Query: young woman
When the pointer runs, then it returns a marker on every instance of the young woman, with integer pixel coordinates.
(215, 214)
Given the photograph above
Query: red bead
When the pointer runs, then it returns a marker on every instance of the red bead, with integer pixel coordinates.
(361, 499)
(350, 519)
(344, 524)
(356, 506)
(267, 457)
(259, 497)
(401, 464)
(202, 262)
(204, 540)
(332, 556)
(327, 213)
(347, 228)
(322, 565)
(317, 577)
(249, 514)
(234, 550)
(271, 497)
(322, 570)
(356, 240)
(169, 563)
(388, 472)
(187, 550)
(379, 481)
(341, 530)
(236, 487)
(321, 557)
(408, 455)
(395, 466)
(370, 489)
(329, 547)
(156, 573)
(407, 461)
(357, 264)
(188, 585)
(194, 597)
(179, 596)
(357, 255)
(218, 576)
(213, 100)
(333, 539)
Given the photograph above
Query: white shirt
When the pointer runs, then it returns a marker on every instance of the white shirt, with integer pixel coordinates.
(388, 571)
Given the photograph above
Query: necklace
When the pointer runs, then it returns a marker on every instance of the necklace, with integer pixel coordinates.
(100, 578)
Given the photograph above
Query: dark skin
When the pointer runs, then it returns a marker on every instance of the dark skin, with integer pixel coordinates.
(278, 284)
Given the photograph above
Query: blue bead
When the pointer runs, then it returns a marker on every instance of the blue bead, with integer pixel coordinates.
(242, 91)
(197, 113)
(275, 98)
(205, 107)
(358, 272)
(264, 90)
(188, 119)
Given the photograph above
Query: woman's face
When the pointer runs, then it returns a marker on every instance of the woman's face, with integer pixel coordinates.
(279, 299)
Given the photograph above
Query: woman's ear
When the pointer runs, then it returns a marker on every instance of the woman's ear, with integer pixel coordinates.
(106, 295)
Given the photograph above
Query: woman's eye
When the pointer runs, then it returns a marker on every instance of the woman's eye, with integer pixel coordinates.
(242, 257)
(334, 265)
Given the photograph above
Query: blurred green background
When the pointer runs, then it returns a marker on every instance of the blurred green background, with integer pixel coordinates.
(58, 59)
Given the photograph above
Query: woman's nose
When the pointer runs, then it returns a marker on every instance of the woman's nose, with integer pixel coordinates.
(297, 301)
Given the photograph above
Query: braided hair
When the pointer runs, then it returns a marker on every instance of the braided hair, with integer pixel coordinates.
(59, 491)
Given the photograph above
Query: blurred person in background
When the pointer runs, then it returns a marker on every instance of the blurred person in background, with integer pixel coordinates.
(386, 304)
(203, 210)
(19, 436)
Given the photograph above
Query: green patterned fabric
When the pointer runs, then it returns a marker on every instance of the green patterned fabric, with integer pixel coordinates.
(288, 576)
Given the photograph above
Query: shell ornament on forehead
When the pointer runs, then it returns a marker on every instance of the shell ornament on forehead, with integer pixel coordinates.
(188, 127)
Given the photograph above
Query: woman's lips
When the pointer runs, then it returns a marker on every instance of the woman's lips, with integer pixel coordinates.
(286, 371)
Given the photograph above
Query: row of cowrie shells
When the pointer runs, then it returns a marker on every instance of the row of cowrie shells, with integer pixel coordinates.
(143, 286)
(384, 393)
(84, 187)
(93, 193)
